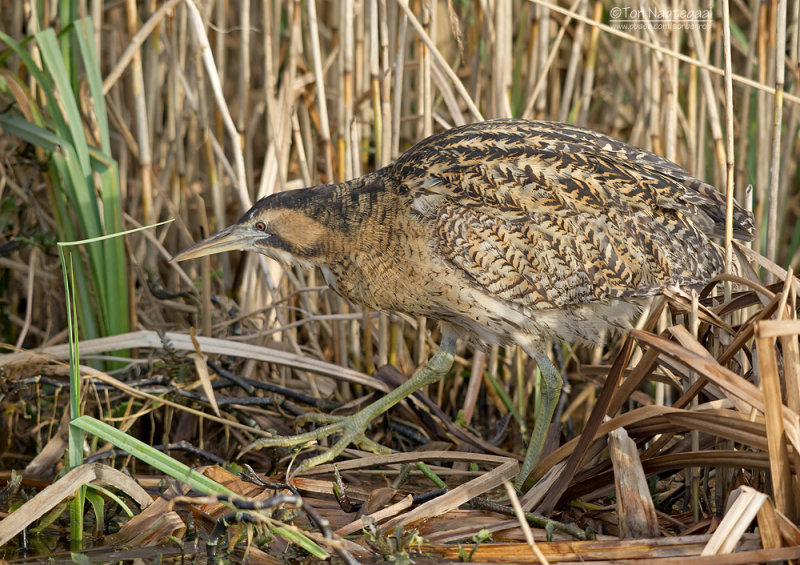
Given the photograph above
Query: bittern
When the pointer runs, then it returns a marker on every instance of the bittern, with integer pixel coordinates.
(506, 231)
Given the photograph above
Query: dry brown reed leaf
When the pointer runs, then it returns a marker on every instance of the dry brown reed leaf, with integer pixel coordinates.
(118, 480)
(637, 514)
(64, 488)
(201, 366)
(768, 527)
(789, 531)
(598, 482)
(673, 550)
(649, 421)
(781, 475)
(458, 525)
(770, 266)
(45, 462)
(149, 527)
(378, 516)
(315, 487)
(183, 342)
(544, 483)
(728, 424)
(636, 376)
(506, 469)
(700, 361)
(680, 302)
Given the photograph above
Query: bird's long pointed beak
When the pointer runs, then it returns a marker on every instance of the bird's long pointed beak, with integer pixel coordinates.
(232, 238)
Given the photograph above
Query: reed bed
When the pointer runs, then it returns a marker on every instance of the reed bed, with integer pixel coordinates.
(195, 110)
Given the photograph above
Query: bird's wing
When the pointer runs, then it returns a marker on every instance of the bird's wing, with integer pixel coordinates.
(545, 151)
(547, 223)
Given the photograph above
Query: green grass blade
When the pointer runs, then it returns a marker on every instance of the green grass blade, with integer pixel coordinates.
(98, 505)
(79, 183)
(299, 539)
(30, 132)
(505, 399)
(54, 64)
(76, 436)
(43, 79)
(114, 248)
(86, 43)
(179, 471)
(149, 455)
(109, 494)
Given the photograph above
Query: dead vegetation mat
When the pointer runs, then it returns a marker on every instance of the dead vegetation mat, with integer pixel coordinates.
(682, 440)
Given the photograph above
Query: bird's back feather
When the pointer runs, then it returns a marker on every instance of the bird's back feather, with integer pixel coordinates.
(549, 215)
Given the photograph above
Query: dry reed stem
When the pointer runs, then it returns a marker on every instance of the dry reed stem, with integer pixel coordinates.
(199, 35)
(777, 123)
(760, 86)
(141, 116)
(526, 529)
(743, 505)
(441, 63)
(730, 162)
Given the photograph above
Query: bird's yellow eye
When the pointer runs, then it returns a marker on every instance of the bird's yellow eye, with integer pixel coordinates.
(261, 226)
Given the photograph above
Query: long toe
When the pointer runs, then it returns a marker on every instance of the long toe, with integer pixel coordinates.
(352, 429)
(295, 440)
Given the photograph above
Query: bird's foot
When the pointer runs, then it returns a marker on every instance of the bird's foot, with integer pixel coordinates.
(351, 430)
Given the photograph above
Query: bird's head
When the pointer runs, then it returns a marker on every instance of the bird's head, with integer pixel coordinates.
(285, 233)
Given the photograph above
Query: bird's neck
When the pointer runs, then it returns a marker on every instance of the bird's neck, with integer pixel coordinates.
(344, 206)
(325, 223)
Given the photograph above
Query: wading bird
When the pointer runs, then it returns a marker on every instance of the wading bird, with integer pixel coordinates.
(506, 231)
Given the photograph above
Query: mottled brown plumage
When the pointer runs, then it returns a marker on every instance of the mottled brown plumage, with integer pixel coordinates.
(509, 231)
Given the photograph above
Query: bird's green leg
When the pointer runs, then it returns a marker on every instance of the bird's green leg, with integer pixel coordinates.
(352, 428)
(551, 384)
